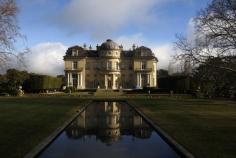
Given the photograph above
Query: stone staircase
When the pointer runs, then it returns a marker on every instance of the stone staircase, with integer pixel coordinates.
(108, 93)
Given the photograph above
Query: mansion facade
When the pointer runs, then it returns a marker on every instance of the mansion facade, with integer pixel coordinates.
(110, 67)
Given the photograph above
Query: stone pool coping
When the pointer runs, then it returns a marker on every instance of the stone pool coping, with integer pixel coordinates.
(48, 140)
(183, 152)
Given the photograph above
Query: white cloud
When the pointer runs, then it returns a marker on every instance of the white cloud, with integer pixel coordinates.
(46, 58)
(103, 18)
(191, 31)
(163, 52)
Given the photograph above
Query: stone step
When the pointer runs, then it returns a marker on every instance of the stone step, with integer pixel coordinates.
(108, 92)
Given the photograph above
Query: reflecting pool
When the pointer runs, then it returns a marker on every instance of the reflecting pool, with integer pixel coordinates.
(109, 130)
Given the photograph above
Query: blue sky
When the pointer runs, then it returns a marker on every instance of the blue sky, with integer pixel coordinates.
(153, 23)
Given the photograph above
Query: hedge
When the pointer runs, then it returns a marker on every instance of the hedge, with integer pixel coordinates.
(42, 82)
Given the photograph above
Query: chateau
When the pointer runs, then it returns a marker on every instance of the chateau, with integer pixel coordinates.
(110, 67)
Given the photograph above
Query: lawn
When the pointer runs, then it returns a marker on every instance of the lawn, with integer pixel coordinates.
(27, 121)
(207, 128)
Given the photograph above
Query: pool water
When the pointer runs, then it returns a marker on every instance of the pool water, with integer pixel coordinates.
(109, 130)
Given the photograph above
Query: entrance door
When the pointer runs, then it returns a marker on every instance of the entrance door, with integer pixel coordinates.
(144, 80)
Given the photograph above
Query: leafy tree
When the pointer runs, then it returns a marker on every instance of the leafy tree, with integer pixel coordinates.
(16, 77)
(219, 83)
(162, 73)
(11, 81)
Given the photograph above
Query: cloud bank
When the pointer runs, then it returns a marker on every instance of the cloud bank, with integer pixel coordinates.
(163, 52)
(104, 18)
(46, 58)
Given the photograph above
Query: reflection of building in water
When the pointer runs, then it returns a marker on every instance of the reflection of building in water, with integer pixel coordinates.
(109, 121)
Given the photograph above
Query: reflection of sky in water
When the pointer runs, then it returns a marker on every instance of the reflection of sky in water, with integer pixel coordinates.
(111, 130)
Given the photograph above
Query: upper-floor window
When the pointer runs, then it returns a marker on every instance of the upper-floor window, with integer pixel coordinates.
(75, 65)
(96, 66)
(130, 65)
(103, 65)
(144, 54)
(117, 65)
(75, 52)
(122, 65)
(143, 65)
(87, 66)
(109, 65)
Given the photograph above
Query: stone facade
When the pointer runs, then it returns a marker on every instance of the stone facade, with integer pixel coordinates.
(110, 67)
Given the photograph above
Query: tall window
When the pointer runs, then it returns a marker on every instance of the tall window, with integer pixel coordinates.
(75, 65)
(122, 66)
(87, 66)
(130, 65)
(75, 80)
(143, 65)
(109, 65)
(96, 66)
(117, 65)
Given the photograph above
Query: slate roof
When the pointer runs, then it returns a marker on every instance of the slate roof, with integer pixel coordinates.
(140, 52)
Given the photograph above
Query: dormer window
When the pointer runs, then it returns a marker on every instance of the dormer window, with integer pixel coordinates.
(75, 52)
(144, 54)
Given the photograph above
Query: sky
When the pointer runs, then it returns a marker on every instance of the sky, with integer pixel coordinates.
(51, 26)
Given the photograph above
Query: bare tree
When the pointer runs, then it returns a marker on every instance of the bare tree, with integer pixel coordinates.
(9, 32)
(215, 36)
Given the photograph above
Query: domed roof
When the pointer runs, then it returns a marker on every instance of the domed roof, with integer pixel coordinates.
(109, 45)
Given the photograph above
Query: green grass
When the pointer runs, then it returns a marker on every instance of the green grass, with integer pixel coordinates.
(26, 121)
(207, 128)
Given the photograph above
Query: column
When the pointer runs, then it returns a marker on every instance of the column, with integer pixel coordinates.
(78, 80)
(70, 80)
(105, 81)
(140, 80)
(81, 80)
(148, 79)
(137, 84)
(113, 82)
(67, 79)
